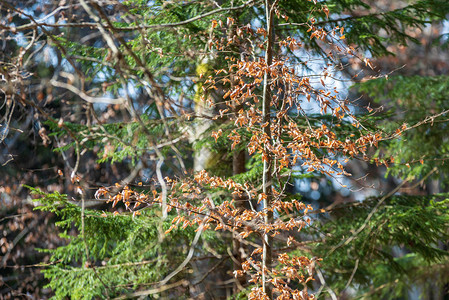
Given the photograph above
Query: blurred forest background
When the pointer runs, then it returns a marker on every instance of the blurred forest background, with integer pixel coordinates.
(106, 93)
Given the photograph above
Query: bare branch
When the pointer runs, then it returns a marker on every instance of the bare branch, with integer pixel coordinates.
(86, 97)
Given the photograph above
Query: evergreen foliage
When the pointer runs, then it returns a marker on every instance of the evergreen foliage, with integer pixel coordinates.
(127, 251)
(421, 103)
(399, 243)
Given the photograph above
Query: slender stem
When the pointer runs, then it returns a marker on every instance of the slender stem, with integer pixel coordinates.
(267, 162)
(238, 167)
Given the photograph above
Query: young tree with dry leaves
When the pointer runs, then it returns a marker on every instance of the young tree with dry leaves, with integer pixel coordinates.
(147, 79)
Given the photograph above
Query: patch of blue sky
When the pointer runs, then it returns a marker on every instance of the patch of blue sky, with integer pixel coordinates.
(20, 39)
(50, 58)
(315, 188)
(318, 73)
(445, 33)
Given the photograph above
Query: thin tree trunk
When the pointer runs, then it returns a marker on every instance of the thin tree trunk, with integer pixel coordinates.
(238, 167)
(267, 162)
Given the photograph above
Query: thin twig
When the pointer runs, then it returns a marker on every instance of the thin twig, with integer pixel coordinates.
(23, 233)
(323, 284)
(86, 97)
(374, 210)
(211, 270)
(352, 275)
(163, 286)
(189, 255)
(155, 290)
